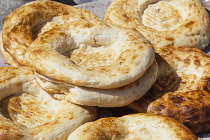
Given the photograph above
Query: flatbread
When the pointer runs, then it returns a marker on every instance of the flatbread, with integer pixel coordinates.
(164, 22)
(22, 26)
(91, 53)
(28, 112)
(182, 88)
(133, 126)
(74, 46)
(115, 97)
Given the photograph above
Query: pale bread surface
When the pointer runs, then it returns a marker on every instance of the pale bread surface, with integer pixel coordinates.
(133, 126)
(91, 53)
(32, 113)
(84, 52)
(164, 22)
(21, 27)
(116, 97)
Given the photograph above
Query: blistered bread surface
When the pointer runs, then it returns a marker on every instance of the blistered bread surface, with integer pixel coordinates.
(164, 22)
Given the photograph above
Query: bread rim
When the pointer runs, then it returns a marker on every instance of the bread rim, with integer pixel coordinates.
(182, 88)
(164, 22)
(22, 26)
(28, 112)
(116, 97)
(133, 126)
(91, 53)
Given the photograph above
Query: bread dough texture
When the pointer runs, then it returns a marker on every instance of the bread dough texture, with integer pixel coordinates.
(164, 22)
(133, 126)
(22, 26)
(91, 54)
(115, 97)
(28, 112)
(73, 45)
(182, 88)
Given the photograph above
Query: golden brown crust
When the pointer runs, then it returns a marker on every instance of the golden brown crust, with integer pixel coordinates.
(188, 106)
(28, 112)
(133, 126)
(23, 24)
(109, 57)
(9, 130)
(75, 46)
(164, 23)
(182, 87)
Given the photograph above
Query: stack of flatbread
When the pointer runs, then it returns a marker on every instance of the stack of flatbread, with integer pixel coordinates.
(66, 62)
(28, 112)
(178, 30)
(74, 52)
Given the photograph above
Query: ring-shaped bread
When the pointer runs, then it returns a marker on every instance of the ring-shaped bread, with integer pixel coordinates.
(182, 88)
(22, 26)
(164, 22)
(28, 112)
(132, 127)
(91, 53)
(115, 97)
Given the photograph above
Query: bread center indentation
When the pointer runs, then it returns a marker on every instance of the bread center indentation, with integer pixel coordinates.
(93, 58)
(28, 110)
(162, 16)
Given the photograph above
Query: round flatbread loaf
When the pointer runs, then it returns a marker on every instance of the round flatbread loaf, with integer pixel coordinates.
(91, 53)
(66, 44)
(115, 97)
(164, 22)
(133, 126)
(28, 112)
(22, 26)
(182, 88)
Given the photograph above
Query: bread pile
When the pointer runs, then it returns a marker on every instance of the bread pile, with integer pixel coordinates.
(66, 63)
(28, 112)
(94, 59)
(178, 30)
